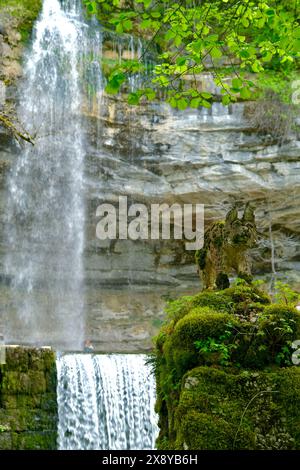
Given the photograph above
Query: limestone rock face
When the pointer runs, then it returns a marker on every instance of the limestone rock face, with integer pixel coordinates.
(11, 47)
(152, 154)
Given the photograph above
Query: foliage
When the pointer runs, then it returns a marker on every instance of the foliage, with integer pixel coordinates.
(284, 294)
(192, 37)
(222, 345)
(176, 309)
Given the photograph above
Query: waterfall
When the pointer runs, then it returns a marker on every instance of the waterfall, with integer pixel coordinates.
(105, 402)
(46, 213)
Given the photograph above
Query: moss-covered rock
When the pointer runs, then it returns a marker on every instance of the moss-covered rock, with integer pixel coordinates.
(239, 410)
(240, 299)
(34, 440)
(222, 363)
(28, 406)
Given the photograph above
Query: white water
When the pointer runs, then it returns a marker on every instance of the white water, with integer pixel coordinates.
(46, 213)
(105, 402)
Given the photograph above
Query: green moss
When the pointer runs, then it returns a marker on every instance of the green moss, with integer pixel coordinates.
(200, 258)
(245, 410)
(28, 405)
(34, 441)
(237, 299)
(221, 369)
(218, 300)
(176, 309)
(16, 359)
(5, 441)
(207, 432)
(25, 419)
(200, 324)
(31, 382)
(245, 293)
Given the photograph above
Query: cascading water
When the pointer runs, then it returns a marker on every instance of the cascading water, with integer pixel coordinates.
(105, 402)
(45, 226)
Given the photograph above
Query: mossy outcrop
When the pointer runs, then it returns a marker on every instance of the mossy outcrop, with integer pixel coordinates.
(225, 377)
(28, 406)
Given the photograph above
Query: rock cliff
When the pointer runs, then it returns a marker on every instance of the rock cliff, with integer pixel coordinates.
(153, 154)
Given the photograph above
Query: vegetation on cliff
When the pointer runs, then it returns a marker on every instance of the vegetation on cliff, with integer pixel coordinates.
(227, 38)
(225, 376)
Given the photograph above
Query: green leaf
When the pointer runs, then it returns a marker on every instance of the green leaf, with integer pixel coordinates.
(146, 24)
(146, 3)
(177, 41)
(226, 100)
(182, 104)
(212, 38)
(170, 35)
(261, 23)
(133, 98)
(173, 102)
(256, 67)
(111, 90)
(181, 61)
(216, 53)
(150, 94)
(92, 8)
(196, 46)
(195, 103)
(206, 95)
(237, 83)
(245, 93)
(127, 25)
(206, 104)
(155, 14)
(270, 12)
(115, 82)
(244, 54)
(119, 28)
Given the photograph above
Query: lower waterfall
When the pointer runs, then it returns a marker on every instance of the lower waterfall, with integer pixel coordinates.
(105, 402)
